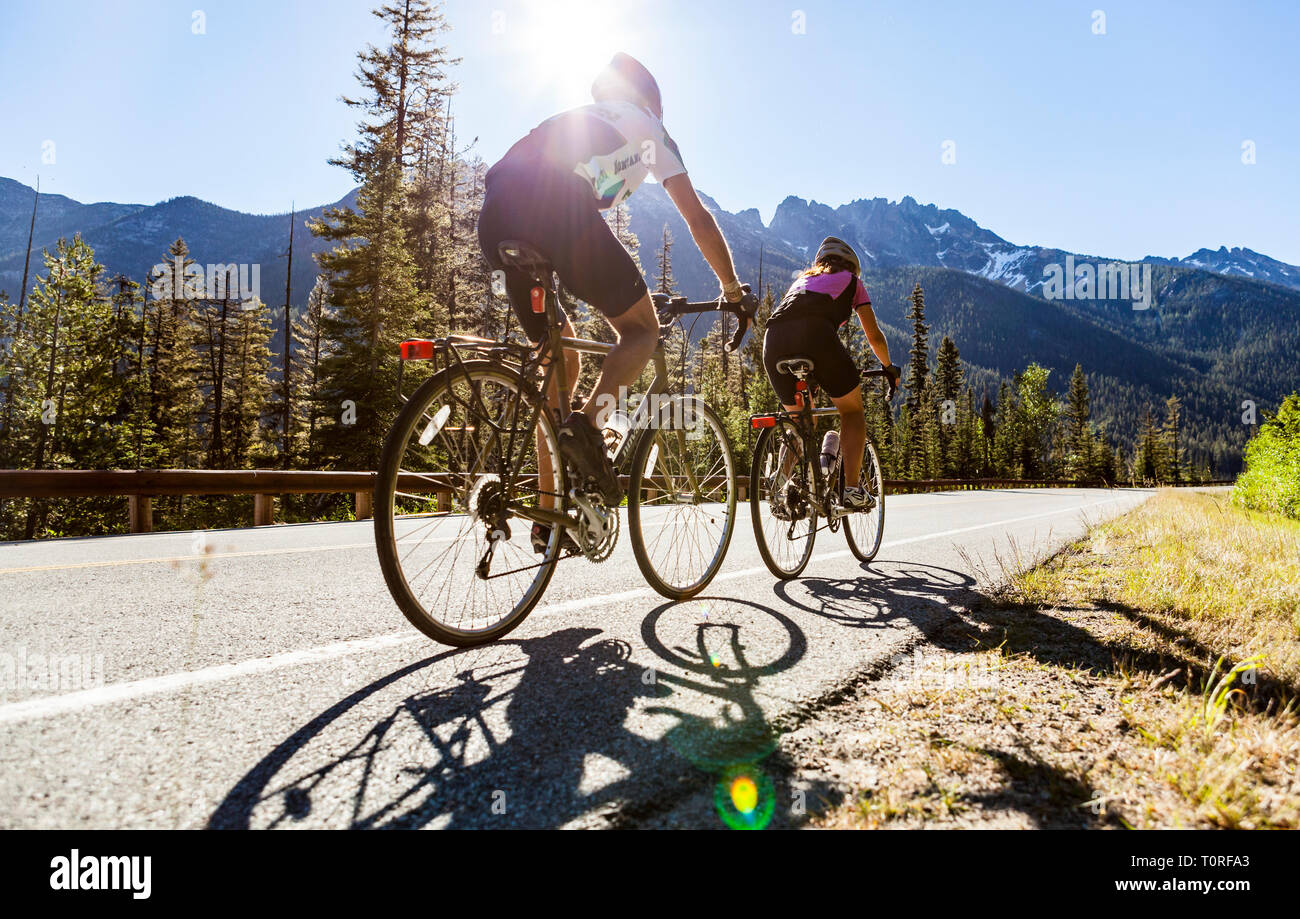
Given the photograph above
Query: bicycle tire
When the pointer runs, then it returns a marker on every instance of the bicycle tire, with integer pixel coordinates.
(385, 496)
(663, 583)
(758, 496)
(865, 549)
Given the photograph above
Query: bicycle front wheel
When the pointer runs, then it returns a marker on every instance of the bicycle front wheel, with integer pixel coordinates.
(445, 494)
(864, 529)
(782, 499)
(681, 498)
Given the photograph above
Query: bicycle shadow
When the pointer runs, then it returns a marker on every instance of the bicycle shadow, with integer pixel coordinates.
(885, 593)
(567, 729)
(534, 732)
(504, 744)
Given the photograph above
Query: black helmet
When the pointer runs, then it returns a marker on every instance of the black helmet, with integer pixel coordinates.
(624, 77)
(833, 245)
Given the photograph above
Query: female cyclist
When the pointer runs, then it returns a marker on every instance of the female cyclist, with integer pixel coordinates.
(805, 324)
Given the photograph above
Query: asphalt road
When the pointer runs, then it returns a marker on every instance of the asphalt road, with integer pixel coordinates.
(264, 677)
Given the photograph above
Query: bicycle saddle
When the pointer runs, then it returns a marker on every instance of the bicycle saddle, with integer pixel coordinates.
(515, 253)
(799, 364)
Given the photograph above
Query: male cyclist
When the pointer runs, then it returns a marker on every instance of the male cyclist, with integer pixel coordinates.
(548, 190)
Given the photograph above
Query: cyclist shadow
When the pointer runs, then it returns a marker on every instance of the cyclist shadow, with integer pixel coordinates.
(535, 732)
(509, 743)
(885, 593)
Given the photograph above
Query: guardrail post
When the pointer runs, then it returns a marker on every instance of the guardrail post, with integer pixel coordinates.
(140, 512)
(263, 510)
(365, 505)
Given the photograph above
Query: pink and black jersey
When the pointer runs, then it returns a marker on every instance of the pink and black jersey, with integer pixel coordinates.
(832, 297)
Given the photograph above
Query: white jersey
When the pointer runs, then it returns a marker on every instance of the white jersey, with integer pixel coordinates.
(612, 146)
(646, 150)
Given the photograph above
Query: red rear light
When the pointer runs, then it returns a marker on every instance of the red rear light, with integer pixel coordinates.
(417, 349)
(764, 421)
(801, 386)
(538, 296)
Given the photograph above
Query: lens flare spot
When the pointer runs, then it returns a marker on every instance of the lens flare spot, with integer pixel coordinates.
(744, 798)
(715, 660)
(744, 794)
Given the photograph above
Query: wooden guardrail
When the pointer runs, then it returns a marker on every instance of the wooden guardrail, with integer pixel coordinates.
(140, 486)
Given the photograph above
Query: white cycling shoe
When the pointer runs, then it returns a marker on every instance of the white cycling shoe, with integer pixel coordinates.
(857, 499)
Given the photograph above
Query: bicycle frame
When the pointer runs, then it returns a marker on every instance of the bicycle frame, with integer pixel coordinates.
(556, 372)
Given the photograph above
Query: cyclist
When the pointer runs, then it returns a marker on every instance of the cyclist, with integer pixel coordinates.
(548, 190)
(805, 324)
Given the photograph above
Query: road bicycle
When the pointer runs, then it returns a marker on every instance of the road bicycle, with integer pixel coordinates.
(789, 490)
(460, 484)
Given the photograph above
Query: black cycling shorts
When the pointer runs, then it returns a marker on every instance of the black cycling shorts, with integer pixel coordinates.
(558, 217)
(833, 366)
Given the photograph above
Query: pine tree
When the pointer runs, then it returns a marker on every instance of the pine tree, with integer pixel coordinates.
(1173, 448)
(1148, 463)
(310, 350)
(173, 400)
(947, 385)
(666, 284)
(1078, 442)
(251, 429)
(373, 276)
(69, 390)
(1006, 437)
(374, 306)
(987, 431)
(917, 368)
(917, 397)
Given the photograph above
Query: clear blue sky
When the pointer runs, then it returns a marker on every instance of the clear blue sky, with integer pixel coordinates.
(1122, 145)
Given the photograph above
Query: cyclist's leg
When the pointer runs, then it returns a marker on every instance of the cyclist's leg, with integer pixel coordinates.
(638, 334)
(596, 268)
(839, 376)
(545, 469)
(853, 434)
(783, 384)
(519, 288)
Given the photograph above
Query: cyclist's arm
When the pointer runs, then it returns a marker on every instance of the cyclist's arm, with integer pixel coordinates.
(704, 229)
(875, 338)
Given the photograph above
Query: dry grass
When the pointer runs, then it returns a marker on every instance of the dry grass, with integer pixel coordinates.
(1144, 677)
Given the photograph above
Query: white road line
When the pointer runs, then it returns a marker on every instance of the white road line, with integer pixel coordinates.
(49, 706)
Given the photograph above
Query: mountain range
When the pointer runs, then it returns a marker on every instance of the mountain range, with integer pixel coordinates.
(1223, 327)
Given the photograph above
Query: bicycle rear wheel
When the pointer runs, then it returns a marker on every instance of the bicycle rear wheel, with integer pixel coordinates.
(681, 497)
(782, 499)
(863, 530)
(445, 487)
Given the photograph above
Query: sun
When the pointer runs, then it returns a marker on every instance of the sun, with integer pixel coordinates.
(562, 44)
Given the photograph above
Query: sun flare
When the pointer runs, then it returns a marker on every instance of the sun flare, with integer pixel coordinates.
(564, 43)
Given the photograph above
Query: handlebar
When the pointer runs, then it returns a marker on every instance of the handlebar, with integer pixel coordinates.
(893, 387)
(671, 307)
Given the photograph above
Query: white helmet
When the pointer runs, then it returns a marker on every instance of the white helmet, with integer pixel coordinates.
(833, 245)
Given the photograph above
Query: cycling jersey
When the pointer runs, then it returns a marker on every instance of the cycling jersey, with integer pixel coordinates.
(825, 296)
(610, 146)
(549, 189)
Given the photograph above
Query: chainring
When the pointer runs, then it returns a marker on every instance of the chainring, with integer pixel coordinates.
(596, 549)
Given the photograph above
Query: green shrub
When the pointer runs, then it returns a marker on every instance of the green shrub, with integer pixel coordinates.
(1271, 481)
